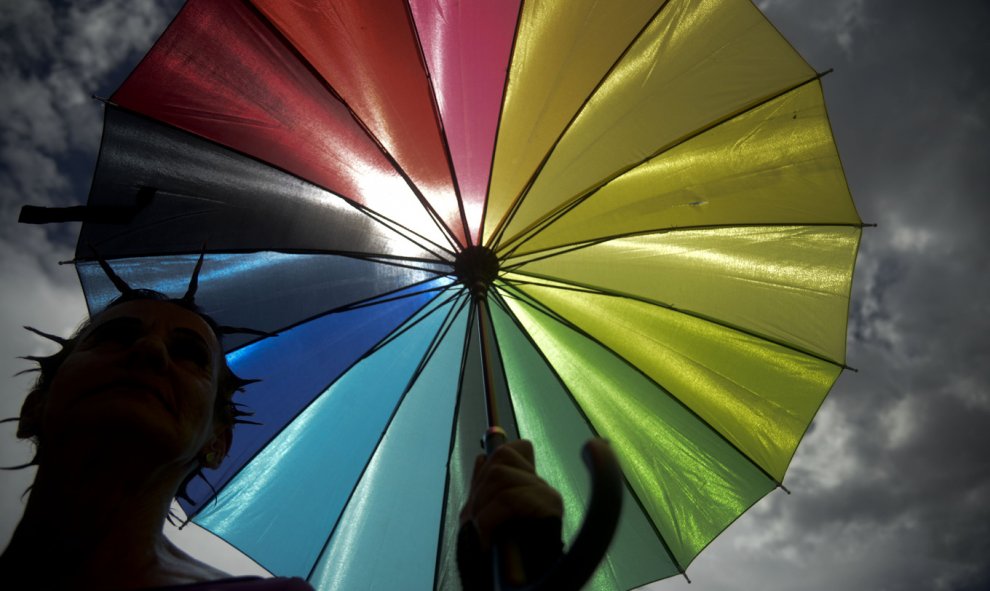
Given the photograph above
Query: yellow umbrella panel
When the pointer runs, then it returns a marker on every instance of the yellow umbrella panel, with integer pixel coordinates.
(676, 243)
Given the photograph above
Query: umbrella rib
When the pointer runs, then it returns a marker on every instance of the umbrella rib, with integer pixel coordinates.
(629, 488)
(388, 156)
(498, 127)
(588, 288)
(528, 300)
(394, 262)
(396, 226)
(517, 201)
(376, 299)
(146, 56)
(391, 224)
(384, 300)
(302, 409)
(427, 355)
(387, 259)
(407, 327)
(569, 247)
(550, 313)
(527, 233)
(439, 120)
(445, 328)
(364, 303)
(178, 218)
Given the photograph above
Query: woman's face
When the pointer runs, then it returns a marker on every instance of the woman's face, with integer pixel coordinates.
(144, 372)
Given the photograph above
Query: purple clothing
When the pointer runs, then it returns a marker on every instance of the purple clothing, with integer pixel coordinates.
(242, 584)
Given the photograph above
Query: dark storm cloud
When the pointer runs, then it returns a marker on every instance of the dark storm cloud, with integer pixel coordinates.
(53, 57)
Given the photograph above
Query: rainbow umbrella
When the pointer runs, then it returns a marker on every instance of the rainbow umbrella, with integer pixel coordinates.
(646, 193)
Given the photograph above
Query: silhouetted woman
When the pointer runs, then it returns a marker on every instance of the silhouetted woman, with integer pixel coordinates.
(134, 405)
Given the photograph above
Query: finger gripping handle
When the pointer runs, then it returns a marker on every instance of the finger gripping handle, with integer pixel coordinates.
(574, 568)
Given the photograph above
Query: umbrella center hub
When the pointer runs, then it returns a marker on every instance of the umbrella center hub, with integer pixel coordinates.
(476, 267)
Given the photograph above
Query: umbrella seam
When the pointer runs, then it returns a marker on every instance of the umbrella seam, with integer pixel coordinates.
(567, 323)
(439, 120)
(517, 201)
(527, 233)
(498, 126)
(366, 302)
(673, 308)
(404, 329)
(628, 487)
(360, 122)
(385, 259)
(391, 224)
(448, 321)
(566, 248)
(288, 422)
(362, 303)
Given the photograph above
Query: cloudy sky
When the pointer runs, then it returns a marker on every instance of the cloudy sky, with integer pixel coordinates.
(890, 488)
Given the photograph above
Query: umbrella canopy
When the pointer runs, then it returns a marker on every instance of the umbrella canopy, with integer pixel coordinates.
(649, 190)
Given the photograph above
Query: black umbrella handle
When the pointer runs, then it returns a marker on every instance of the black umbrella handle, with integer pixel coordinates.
(573, 569)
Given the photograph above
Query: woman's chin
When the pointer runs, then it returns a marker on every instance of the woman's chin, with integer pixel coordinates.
(125, 425)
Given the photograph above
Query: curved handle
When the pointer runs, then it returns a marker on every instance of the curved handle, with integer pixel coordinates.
(573, 569)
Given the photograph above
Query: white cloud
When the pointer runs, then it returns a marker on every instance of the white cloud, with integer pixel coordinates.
(899, 421)
(912, 240)
(31, 114)
(841, 21)
(99, 36)
(35, 292)
(33, 177)
(827, 457)
(848, 19)
(971, 390)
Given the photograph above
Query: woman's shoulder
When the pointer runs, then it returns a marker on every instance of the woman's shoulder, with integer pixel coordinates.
(243, 584)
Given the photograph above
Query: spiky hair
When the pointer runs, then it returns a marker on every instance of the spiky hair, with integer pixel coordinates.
(226, 411)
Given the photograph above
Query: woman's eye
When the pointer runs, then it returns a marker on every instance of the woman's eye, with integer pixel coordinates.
(193, 351)
(115, 332)
(124, 332)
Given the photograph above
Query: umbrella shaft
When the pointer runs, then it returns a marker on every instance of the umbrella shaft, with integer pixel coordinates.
(484, 326)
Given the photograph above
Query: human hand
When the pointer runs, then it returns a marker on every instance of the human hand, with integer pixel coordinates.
(509, 506)
(504, 488)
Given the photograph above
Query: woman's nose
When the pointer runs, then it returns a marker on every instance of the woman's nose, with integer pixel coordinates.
(150, 351)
